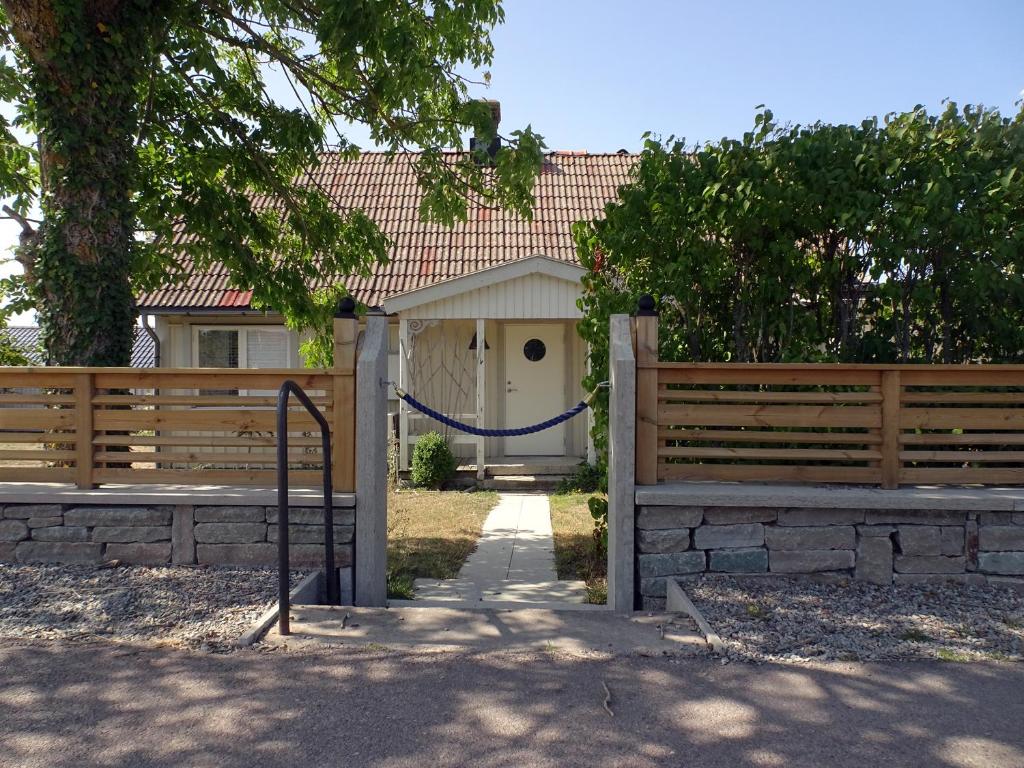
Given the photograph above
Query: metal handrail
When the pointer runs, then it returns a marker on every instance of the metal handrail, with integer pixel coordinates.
(289, 387)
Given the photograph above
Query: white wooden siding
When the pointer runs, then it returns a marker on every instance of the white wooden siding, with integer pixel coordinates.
(531, 297)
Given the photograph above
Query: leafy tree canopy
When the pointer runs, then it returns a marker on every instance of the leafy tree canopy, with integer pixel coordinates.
(899, 240)
(156, 125)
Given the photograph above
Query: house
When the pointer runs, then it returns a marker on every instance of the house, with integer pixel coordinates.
(482, 314)
(26, 339)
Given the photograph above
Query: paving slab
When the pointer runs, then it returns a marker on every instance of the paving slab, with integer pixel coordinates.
(443, 628)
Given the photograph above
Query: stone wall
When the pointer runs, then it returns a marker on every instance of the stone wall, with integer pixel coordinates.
(881, 546)
(156, 534)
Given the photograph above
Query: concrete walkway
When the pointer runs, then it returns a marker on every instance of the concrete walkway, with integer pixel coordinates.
(513, 562)
(103, 705)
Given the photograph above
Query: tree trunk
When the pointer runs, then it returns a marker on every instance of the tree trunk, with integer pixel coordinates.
(87, 59)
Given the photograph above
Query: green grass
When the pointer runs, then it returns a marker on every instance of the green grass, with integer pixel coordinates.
(577, 555)
(945, 654)
(915, 636)
(431, 533)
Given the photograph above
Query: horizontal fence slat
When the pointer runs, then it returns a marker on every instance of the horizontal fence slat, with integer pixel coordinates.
(204, 401)
(964, 376)
(727, 375)
(243, 378)
(202, 419)
(765, 436)
(973, 438)
(993, 457)
(36, 418)
(698, 395)
(797, 454)
(941, 398)
(196, 441)
(196, 457)
(963, 476)
(205, 476)
(769, 416)
(42, 454)
(962, 418)
(36, 474)
(769, 473)
(36, 399)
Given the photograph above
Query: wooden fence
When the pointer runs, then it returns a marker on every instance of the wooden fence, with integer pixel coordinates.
(192, 426)
(874, 424)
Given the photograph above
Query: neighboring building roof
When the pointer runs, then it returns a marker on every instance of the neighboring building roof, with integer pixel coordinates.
(572, 186)
(26, 338)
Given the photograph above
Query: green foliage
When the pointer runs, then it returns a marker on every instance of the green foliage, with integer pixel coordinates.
(432, 461)
(159, 128)
(598, 506)
(892, 241)
(10, 353)
(586, 479)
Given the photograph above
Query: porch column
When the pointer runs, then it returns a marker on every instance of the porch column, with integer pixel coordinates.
(403, 382)
(481, 397)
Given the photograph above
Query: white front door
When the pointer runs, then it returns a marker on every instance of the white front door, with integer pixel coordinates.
(534, 387)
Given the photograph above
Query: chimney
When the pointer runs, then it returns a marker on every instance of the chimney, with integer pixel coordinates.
(495, 145)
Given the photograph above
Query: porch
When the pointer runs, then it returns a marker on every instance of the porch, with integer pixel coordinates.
(495, 349)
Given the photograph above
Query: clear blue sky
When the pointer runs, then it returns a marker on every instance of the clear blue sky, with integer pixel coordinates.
(596, 74)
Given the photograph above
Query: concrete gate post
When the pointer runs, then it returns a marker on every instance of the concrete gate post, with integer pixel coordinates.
(621, 466)
(371, 535)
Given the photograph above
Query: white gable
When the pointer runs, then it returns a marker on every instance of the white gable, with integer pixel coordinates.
(537, 288)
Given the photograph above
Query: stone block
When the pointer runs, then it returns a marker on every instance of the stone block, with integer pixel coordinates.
(916, 517)
(59, 552)
(1005, 563)
(230, 533)
(750, 560)
(672, 564)
(311, 534)
(117, 516)
(183, 539)
(652, 604)
(1018, 518)
(124, 534)
(654, 518)
(736, 515)
(930, 564)
(25, 511)
(44, 522)
(728, 536)
(236, 554)
(995, 518)
(140, 554)
(874, 560)
(810, 560)
(313, 515)
(312, 555)
(13, 531)
(61, 533)
(8, 552)
(653, 587)
(1001, 538)
(951, 540)
(969, 579)
(663, 541)
(237, 514)
(1005, 582)
(816, 537)
(813, 516)
(919, 539)
(876, 531)
(971, 544)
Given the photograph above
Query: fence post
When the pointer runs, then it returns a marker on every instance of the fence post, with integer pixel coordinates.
(622, 427)
(371, 536)
(346, 331)
(891, 393)
(646, 393)
(84, 430)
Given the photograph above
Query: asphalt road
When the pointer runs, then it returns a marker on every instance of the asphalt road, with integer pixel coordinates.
(105, 705)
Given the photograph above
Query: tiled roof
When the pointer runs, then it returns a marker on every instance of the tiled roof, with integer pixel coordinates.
(572, 186)
(26, 338)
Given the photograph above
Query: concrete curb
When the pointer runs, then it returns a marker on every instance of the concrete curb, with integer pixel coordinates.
(307, 591)
(677, 601)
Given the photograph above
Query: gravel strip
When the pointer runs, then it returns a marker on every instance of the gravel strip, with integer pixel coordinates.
(780, 619)
(200, 608)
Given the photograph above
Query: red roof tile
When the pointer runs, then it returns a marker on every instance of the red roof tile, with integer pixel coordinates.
(572, 186)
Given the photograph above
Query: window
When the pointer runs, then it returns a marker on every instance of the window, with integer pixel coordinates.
(245, 347)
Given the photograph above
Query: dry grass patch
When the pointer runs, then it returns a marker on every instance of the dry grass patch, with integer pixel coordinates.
(577, 553)
(431, 533)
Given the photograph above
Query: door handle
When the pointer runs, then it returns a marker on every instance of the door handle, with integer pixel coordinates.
(511, 389)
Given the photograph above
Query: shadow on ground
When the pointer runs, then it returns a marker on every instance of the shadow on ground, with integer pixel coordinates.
(103, 705)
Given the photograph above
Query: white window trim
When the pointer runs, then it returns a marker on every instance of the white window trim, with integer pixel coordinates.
(243, 347)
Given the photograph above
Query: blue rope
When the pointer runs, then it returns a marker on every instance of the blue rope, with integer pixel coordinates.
(427, 411)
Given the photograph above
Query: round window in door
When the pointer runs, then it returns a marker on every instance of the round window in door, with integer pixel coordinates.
(534, 350)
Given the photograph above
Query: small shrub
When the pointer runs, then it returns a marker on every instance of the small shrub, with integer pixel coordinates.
(598, 507)
(586, 479)
(432, 462)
